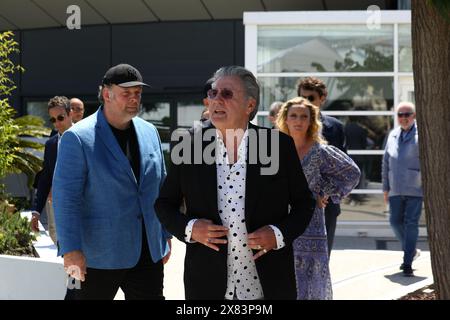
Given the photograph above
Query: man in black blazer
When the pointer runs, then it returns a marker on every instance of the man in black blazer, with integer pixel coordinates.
(242, 211)
(60, 116)
(316, 92)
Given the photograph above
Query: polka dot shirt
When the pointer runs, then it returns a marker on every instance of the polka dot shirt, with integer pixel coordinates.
(243, 281)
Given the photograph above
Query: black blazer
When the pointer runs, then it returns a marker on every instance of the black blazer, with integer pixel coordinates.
(267, 201)
(333, 132)
(46, 174)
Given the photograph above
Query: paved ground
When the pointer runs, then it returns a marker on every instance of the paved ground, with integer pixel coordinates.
(358, 271)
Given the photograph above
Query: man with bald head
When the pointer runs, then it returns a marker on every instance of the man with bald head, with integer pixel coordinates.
(77, 109)
(402, 183)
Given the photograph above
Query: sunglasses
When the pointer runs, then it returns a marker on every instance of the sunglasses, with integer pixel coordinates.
(404, 114)
(310, 98)
(226, 94)
(61, 117)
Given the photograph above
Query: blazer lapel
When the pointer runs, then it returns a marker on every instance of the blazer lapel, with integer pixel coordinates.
(251, 180)
(144, 150)
(105, 133)
(208, 172)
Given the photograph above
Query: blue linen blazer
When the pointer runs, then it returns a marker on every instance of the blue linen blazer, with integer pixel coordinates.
(99, 206)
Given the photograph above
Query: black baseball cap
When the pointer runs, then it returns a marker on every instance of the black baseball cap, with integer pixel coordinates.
(123, 75)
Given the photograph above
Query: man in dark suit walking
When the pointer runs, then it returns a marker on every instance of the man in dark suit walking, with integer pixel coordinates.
(316, 92)
(242, 213)
(60, 116)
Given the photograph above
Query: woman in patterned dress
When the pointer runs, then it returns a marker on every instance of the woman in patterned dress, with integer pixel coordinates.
(331, 175)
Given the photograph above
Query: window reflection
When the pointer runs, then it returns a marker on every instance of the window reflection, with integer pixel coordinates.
(263, 121)
(364, 207)
(39, 109)
(325, 48)
(158, 113)
(189, 112)
(366, 132)
(405, 48)
(370, 166)
(344, 93)
(370, 208)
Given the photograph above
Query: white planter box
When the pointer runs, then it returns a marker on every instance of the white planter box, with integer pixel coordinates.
(26, 278)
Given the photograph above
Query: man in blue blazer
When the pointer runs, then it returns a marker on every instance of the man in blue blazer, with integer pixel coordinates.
(107, 229)
(60, 115)
(316, 92)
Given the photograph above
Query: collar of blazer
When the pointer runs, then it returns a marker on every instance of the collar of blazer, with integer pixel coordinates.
(412, 132)
(325, 120)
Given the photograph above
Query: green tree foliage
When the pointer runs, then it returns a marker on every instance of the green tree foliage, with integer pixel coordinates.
(17, 154)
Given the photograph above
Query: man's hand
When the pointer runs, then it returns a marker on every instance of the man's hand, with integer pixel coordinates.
(75, 264)
(207, 233)
(166, 258)
(35, 221)
(263, 239)
(50, 197)
(386, 197)
(322, 201)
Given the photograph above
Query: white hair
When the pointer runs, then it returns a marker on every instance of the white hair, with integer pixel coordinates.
(406, 104)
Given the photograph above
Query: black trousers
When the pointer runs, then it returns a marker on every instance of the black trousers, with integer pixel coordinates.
(142, 282)
(332, 211)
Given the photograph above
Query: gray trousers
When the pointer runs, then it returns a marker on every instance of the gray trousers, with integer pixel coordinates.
(51, 220)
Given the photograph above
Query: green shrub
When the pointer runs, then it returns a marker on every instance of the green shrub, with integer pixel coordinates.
(16, 235)
(16, 154)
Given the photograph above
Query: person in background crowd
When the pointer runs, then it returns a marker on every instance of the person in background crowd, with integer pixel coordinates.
(402, 183)
(206, 88)
(331, 175)
(60, 115)
(273, 112)
(315, 91)
(77, 108)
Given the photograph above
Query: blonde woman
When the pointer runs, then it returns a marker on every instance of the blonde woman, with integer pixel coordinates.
(331, 175)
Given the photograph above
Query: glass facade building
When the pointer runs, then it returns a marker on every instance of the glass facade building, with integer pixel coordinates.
(365, 60)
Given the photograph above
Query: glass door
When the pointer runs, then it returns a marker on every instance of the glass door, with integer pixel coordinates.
(169, 112)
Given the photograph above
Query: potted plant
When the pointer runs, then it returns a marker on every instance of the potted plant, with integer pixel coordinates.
(29, 267)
